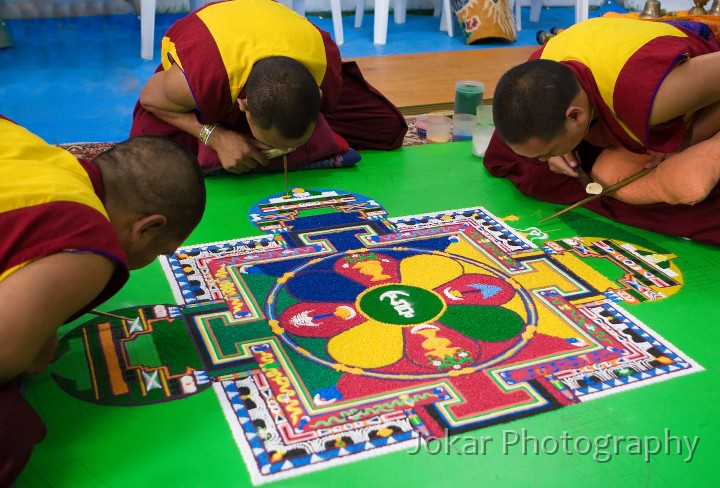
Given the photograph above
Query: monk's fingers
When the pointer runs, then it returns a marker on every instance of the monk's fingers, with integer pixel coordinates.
(559, 165)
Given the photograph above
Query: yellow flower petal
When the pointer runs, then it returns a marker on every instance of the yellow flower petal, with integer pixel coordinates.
(368, 345)
(428, 270)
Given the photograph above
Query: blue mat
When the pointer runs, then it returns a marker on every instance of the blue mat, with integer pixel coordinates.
(77, 79)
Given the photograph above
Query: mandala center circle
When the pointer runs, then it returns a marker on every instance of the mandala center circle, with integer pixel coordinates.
(400, 304)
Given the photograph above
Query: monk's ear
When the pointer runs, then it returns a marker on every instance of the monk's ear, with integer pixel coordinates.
(242, 103)
(576, 115)
(145, 229)
(573, 112)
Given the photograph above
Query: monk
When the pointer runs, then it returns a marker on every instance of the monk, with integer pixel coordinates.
(614, 96)
(238, 79)
(71, 231)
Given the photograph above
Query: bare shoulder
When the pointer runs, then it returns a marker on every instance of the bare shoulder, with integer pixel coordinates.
(168, 90)
(176, 87)
(673, 99)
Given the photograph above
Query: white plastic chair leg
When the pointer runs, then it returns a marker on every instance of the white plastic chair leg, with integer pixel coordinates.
(299, 6)
(535, 7)
(147, 28)
(359, 13)
(535, 10)
(400, 11)
(382, 8)
(337, 21)
(447, 23)
(581, 10)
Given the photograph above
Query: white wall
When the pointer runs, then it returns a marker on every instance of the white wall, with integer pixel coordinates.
(13, 9)
(349, 5)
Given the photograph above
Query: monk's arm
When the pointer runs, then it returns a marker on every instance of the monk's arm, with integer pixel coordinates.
(38, 298)
(691, 86)
(167, 96)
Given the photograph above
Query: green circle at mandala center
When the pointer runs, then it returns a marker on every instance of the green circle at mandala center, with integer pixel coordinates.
(401, 304)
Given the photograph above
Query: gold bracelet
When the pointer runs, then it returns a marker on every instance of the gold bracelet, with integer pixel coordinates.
(206, 132)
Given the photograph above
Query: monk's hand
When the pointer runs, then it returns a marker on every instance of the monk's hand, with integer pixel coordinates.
(237, 153)
(565, 164)
(655, 158)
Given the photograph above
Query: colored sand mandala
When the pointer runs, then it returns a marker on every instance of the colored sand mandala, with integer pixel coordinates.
(344, 333)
